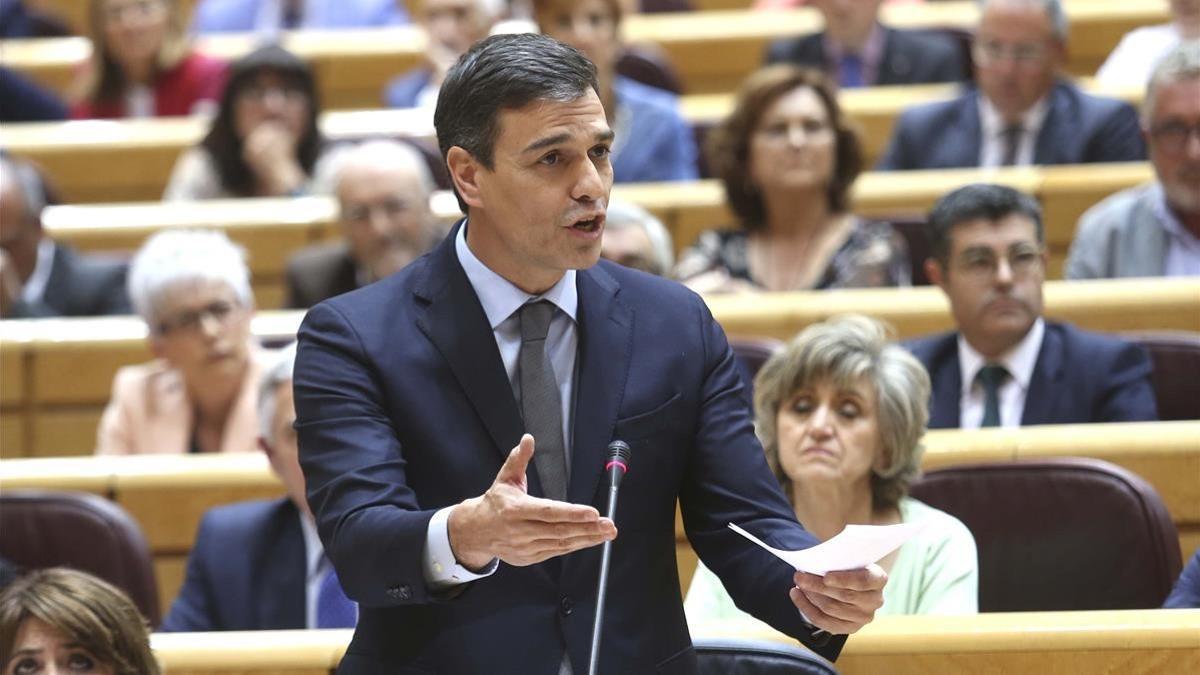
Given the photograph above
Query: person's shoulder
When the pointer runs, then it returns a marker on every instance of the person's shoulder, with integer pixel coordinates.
(402, 91)
(639, 288)
(319, 256)
(799, 50)
(929, 347)
(1085, 346)
(640, 96)
(1094, 105)
(927, 43)
(1116, 212)
(246, 516)
(914, 510)
(936, 114)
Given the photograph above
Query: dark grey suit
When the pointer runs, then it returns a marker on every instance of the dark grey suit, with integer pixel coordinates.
(909, 56)
(319, 272)
(79, 286)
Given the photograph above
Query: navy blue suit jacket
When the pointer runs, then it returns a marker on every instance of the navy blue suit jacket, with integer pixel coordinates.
(1078, 378)
(404, 407)
(1078, 129)
(79, 285)
(1186, 592)
(909, 56)
(246, 571)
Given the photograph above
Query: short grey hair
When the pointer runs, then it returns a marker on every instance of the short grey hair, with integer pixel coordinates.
(845, 351)
(382, 153)
(1059, 25)
(170, 258)
(1181, 63)
(277, 373)
(622, 215)
(28, 182)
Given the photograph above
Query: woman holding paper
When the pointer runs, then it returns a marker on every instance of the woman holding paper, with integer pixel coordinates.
(840, 412)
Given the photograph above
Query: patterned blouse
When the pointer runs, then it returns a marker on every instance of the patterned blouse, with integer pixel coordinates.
(874, 255)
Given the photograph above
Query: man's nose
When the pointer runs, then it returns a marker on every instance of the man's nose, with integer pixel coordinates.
(590, 184)
(1004, 272)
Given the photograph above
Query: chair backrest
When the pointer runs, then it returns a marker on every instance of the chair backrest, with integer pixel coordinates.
(1060, 534)
(649, 64)
(726, 656)
(752, 353)
(916, 237)
(1176, 375)
(43, 528)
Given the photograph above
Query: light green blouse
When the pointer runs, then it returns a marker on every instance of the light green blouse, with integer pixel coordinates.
(936, 572)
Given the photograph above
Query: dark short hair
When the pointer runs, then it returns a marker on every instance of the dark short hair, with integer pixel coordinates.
(504, 72)
(222, 141)
(978, 201)
(729, 143)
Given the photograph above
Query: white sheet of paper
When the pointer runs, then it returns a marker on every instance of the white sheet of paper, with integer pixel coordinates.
(853, 548)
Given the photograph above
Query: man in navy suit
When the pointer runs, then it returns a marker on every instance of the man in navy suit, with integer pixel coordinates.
(857, 51)
(1006, 365)
(259, 565)
(419, 398)
(1022, 112)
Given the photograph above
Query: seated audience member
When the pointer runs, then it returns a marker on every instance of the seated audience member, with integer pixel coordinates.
(143, 64)
(653, 142)
(1153, 230)
(841, 411)
(271, 16)
(856, 50)
(23, 100)
(280, 577)
(1023, 112)
(1186, 593)
(1135, 58)
(9, 571)
(451, 27)
(192, 289)
(788, 158)
(1006, 366)
(633, 237)
(60, 620)
(40, 277)
(383, 190)
(19, 20)
(264, 141)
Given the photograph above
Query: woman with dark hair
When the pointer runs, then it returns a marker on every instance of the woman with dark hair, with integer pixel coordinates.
(60, 620)
(143, 65)
(788, 158)
(264, 141)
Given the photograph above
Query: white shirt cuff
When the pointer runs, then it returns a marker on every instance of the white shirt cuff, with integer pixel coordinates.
(442, 571)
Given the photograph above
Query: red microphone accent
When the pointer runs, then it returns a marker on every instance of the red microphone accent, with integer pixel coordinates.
(616, 462)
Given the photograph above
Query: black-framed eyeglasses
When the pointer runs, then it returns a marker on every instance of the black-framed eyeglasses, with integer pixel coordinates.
(983, 263)
(189, 321)
(1173, 136)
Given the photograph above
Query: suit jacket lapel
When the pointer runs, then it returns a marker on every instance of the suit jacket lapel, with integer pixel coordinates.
(947, 387)
(969, 131)
(605, 336)
(454, 321)
(1051, 141)
(282, 565)
(1046, 372)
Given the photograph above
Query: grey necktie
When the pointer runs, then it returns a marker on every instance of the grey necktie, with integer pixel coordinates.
(1012, 143)
(541, 401)
(991, 377)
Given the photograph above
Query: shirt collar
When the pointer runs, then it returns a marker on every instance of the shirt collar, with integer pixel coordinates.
(35, 287)
(1019, 361)
(499, 296)
(993, 124)
(872, 50)
(314, 551)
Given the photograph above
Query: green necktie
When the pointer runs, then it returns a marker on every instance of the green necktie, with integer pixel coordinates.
(991, 377)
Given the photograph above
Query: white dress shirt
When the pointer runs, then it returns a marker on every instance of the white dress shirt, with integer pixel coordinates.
(35, 287)
(1019, 362)
(992, 125)
(315, 565)
(501, 300)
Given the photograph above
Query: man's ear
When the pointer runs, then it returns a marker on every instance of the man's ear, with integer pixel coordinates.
(933, 272)
(465, 171)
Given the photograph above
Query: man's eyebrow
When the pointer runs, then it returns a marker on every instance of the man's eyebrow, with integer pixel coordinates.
(601, 137)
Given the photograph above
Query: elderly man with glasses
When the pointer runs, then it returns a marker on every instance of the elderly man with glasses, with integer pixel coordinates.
(1006, 366)
(1022, 111)
(1153, 230)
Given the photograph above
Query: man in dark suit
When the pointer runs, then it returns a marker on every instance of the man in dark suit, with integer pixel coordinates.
(39, 277)
(383, 189)
(259, 565)
(419, 400)
(1022, 112)
(1006, 365)
(857, 51)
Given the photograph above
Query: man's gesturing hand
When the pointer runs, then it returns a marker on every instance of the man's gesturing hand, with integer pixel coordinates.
(506, 523)
(840, 602)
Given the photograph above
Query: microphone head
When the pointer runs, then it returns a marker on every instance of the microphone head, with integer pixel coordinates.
(618, 451)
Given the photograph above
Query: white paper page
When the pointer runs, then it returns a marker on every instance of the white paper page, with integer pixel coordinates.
(853, 548)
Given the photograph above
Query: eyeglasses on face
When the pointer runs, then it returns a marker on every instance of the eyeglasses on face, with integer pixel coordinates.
(114, 12)
(988, 52)
(189, 321)
(984, 263)
(1173, 136)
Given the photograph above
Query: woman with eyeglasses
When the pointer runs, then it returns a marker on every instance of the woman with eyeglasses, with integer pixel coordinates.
(192, 289)
(264, 141)
(788, 158)
(143, 64)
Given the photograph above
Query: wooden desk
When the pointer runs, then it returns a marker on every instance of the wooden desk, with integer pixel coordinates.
(712, 51)
(1132, 642)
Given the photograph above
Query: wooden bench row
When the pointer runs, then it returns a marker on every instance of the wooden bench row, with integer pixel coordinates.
(712, 51)
(131, 160)
(271, 230)
(1131, 642)
(56, 374)
(167, 494)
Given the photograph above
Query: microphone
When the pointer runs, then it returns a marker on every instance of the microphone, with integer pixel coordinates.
(614, 468)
